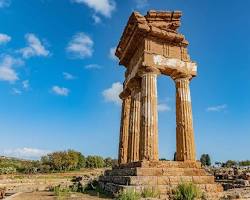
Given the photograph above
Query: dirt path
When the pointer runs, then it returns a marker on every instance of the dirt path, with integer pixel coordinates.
(50, 196)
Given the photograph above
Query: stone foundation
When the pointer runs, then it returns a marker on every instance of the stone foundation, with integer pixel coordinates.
(162, 176)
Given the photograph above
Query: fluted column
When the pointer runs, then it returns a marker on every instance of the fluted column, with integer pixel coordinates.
(184, 122)
(134, 124)
(124, 129)
(149, 117)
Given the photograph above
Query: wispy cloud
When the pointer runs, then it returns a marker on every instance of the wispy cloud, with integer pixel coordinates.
(93, 66)
(140, 4)
(5, 3)
(162, 107)
(25, 153)
(217, 108)
(4, 38)
(7, 71)
(112, 55)
(26, 84)
(16, 91)
(68, 76)
(112, 94)
(96, 19)
(81, 46)
(61, 91)
(34, 47)
(103, 7)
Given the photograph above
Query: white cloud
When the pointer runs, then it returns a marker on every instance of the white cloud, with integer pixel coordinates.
(81, 46)
(217, 108)
(7, 71)
(93, 66)
(5, 3)
(26, 84)
(4, 38)
(34, 48)
(112, 53)
(96, 19)
(163, 107)
(25, 153)
(141, 4)
(61, 91)
(103, 7)
(112, 94)
(16, 91)
(68, 76)
(8, 74)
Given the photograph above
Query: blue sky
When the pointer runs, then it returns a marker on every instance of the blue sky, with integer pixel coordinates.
(59, 79)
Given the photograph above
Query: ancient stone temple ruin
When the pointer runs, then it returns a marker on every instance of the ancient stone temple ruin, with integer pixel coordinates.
(151, 46)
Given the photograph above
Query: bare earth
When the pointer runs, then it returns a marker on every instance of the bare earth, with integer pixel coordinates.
(50, 196)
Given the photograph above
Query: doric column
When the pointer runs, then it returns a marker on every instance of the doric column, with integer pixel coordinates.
(184, 121)
(123, 144)
(134, 123)
(149, 117)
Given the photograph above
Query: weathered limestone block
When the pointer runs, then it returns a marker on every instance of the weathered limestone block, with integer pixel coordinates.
(143, 180)
(203, 179)
(170, 164)
(121, 172)
(163, 178)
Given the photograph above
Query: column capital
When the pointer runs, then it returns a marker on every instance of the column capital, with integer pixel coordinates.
(181, 77)
(125, 94)
(148, 70)
(134, 84)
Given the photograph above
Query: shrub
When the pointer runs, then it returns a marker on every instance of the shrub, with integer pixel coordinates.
(77, 184)
(150, 193)
(187, 191)
(7, 170)
(229, 163)
(129, 195)
(59, 191)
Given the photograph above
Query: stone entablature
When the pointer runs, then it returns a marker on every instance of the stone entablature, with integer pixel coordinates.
(160, 28)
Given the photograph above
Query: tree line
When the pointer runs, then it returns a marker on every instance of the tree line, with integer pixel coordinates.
(60, 161)
(206, 161)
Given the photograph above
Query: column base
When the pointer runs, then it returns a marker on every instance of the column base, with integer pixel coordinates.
(163, 176)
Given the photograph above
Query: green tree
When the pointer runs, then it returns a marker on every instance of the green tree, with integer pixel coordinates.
(72, 159)
(94, 162)
(230, 163)
(63, 160)
(244, 163)
(81, 161)
(205, 160)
